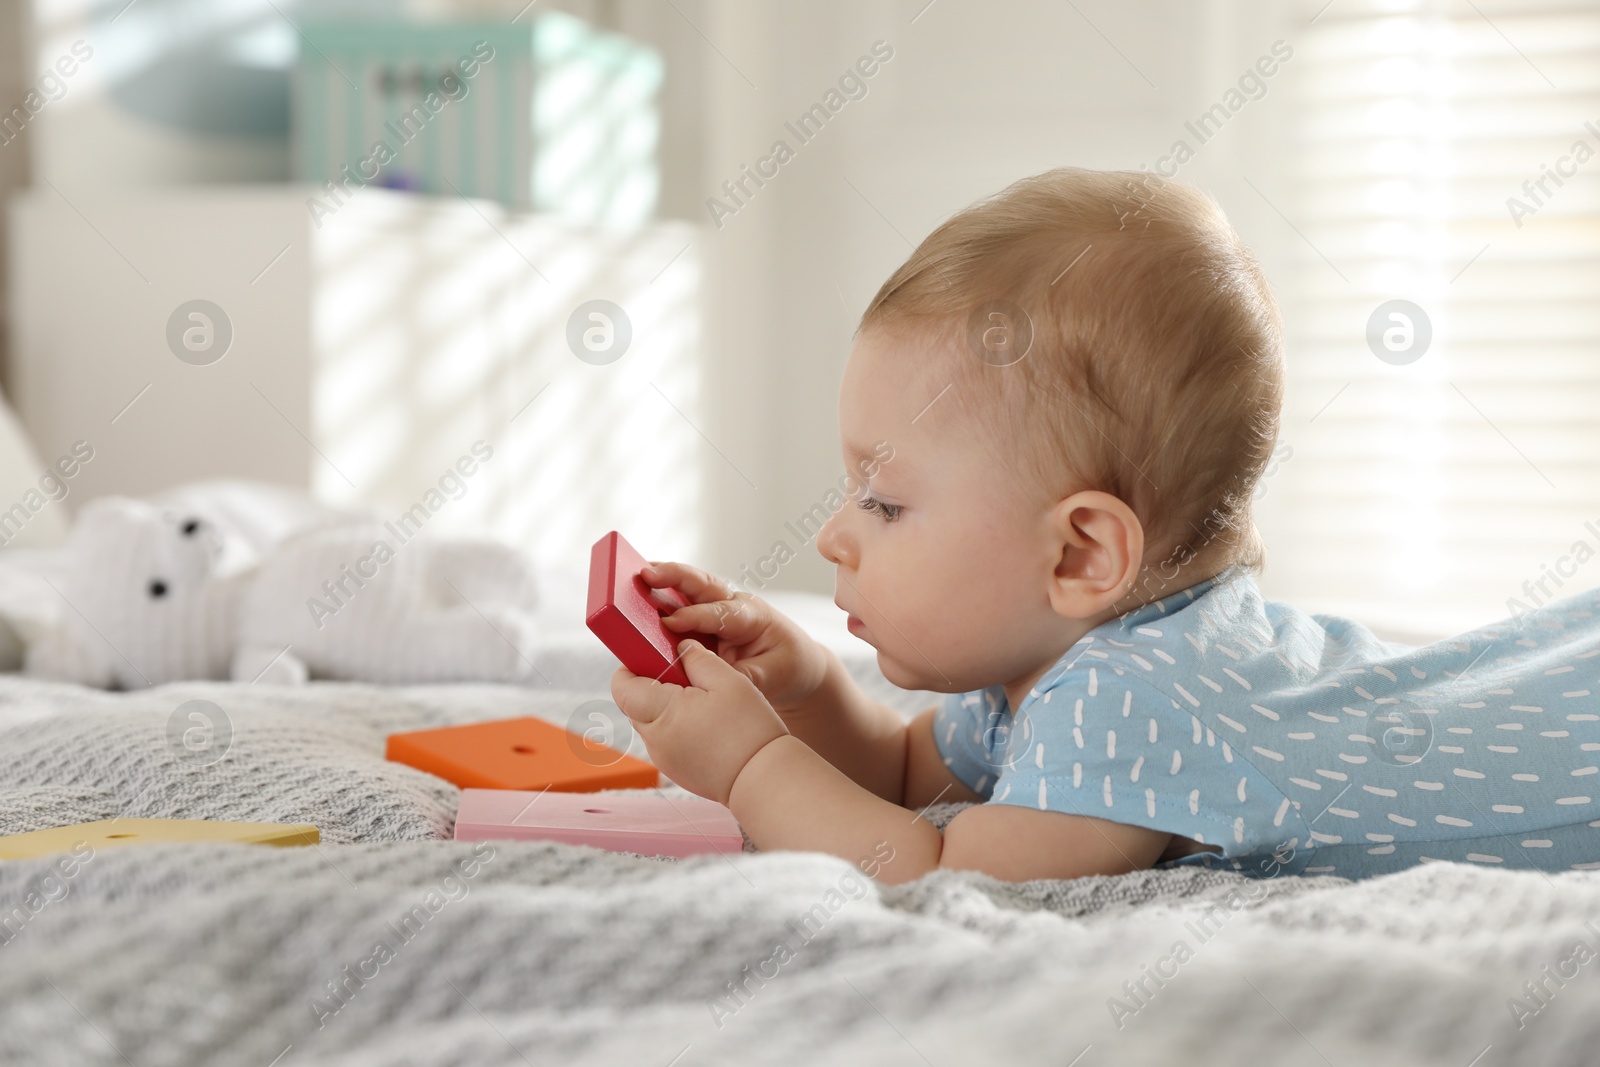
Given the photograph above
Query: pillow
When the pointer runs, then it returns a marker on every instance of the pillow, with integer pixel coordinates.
(26, 484)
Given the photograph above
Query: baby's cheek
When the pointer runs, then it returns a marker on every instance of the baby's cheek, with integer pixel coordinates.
(940, 647)
(926, 616)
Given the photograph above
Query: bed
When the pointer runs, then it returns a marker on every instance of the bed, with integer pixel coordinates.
(389, 943)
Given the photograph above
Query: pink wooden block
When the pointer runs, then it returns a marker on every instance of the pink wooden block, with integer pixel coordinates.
(632, 821)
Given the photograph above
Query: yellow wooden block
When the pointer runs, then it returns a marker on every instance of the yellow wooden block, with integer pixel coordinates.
(110, 833)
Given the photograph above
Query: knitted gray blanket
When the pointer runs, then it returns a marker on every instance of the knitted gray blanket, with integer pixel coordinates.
(389, 944)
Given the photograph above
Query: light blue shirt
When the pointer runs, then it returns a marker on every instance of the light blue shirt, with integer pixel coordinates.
(1303, 743)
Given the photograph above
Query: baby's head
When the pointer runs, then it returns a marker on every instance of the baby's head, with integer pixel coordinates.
(1076, 383)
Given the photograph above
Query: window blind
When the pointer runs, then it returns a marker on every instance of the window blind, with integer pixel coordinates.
(1447, 153)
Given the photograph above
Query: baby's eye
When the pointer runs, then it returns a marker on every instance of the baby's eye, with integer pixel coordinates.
(889, 512)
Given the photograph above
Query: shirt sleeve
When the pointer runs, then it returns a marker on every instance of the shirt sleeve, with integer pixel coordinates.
(1110, 745)
(969, 728)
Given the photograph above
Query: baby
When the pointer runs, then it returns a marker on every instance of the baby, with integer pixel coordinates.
(1060, 406)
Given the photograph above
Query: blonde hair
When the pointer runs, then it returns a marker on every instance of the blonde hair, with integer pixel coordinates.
(1155, 371)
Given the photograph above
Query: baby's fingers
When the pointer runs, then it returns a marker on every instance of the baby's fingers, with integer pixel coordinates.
(737, 620)
(697, 586)
(641, 699)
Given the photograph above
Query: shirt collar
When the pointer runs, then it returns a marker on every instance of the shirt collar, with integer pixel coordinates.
(1138, 616)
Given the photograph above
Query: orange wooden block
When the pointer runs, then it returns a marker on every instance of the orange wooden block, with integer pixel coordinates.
(520, 754)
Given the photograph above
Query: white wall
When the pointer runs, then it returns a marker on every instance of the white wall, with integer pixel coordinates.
(369, 354)
(976, 96)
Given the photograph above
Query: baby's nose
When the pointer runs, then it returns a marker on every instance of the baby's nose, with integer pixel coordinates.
(831, 542)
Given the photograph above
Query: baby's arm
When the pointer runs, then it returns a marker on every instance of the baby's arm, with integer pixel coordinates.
(720, 737)
(787, 796)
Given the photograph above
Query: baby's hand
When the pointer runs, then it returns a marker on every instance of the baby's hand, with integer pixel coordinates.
(701, 736)
(783, 661)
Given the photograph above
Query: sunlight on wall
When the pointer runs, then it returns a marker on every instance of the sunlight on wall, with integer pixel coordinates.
(1427, 495)
(1411, 191)
(431, 331)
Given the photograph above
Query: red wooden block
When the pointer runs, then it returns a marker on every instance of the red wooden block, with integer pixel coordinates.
(621, 613)
(519, 754)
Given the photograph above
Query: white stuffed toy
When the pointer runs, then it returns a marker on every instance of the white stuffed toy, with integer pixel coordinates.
(152, 595)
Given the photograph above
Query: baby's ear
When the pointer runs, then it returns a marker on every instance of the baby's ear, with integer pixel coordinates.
(1100, 544)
